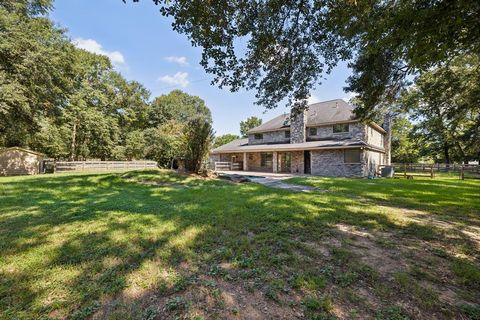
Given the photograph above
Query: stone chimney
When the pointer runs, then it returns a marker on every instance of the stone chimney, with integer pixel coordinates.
(298, 120)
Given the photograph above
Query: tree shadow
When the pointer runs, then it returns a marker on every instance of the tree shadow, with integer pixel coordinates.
(107, 234)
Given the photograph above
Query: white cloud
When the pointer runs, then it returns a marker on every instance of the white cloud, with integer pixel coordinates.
(178, 60)
(178, 79)
(93, 46)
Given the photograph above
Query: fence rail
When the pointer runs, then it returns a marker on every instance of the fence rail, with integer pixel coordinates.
(410, 170)
(228, 166)
(73, 166)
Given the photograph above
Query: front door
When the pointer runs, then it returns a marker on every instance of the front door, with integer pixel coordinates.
(306, 161)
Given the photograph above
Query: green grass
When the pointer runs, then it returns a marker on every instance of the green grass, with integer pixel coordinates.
(153, 244)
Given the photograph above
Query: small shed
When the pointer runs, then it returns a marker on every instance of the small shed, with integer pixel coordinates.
(18, 161)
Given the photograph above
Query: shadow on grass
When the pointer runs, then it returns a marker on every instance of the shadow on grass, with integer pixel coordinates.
(69, 241)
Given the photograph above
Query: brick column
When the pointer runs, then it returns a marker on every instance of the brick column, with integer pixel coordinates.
(275, 162)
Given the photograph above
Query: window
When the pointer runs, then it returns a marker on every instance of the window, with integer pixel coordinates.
(312, 131)
(351, 156)
(287, 134)
(340, 128)
(266, 160)
(258, 136)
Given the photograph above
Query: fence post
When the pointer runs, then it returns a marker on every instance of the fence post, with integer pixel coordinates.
(405, 170)
(462, 175)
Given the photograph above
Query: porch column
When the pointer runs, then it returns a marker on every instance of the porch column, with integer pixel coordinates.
(275, 162)
(245, 162)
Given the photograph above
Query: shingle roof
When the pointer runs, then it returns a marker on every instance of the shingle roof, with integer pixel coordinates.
(241, 145)
(325, 112)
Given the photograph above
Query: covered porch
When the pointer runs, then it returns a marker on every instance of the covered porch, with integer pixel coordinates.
(265, 162)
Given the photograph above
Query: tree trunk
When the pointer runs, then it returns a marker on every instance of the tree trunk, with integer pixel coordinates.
(446, 153)
(74, 137)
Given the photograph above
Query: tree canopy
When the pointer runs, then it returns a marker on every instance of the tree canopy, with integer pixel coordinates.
(248, 124)
(283, 49)
(72, 104)
(444, 102)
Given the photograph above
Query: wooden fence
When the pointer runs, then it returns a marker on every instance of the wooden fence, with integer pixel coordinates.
(78, 166)
(410, 170)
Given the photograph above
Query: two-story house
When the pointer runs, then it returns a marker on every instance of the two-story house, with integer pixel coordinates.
(324, 140)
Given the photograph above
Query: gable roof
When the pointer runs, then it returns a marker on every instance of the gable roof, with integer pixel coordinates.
(321, 113)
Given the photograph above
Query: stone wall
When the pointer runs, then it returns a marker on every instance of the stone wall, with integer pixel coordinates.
(330, 163)
(374, 137)
(373, 159)
(254, 163)
(297, 127)
(297, 165)
(356, 130)
(269, 137)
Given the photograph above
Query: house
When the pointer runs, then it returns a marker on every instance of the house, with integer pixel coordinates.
(18, 161)
(324, 140)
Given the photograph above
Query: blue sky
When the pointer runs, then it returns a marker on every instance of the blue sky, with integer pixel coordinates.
(143, 47)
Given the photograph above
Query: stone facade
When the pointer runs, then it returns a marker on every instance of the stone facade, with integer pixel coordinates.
(372, 160)
(269, 137)
(297, 165)
(356, 131)
(254, 162)
(374, 138)
(297, 126)
(330, 163)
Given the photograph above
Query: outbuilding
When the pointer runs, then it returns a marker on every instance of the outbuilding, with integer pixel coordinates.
(18, 161)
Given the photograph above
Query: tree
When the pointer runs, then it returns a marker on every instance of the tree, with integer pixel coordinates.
(249, 124)
(224, 139)
(281, 49)
(178, 106)
(165, 143)
(199, 137)
(36, 62)
(444, 102)
(405, 148)
(135, 145)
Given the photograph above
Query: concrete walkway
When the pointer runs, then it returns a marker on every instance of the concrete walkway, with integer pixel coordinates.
(273, 180)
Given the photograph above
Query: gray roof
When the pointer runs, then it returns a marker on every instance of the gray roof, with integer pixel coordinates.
(325, 112)
(241, 145)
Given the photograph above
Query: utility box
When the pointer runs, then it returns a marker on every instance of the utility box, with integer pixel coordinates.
(388, 172)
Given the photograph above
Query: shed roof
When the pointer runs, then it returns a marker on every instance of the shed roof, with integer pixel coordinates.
(21, 149)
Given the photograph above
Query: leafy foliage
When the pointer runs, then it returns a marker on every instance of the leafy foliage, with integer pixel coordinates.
(249, 124)
(72, 104)
(282, 49)
(224, 139)
(444, 103)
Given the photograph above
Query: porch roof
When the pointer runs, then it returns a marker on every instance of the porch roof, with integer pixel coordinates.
(241, 145)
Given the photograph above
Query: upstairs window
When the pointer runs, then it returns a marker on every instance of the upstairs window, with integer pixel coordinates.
(341, 128)
(258, 136)
(312, 131)
(351, 156)
(266, 160)
(287, 134)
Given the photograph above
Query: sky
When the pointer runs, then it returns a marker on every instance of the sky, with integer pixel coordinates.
(143, 47)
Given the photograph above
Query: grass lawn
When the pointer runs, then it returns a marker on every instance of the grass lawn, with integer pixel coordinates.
(155, 245)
